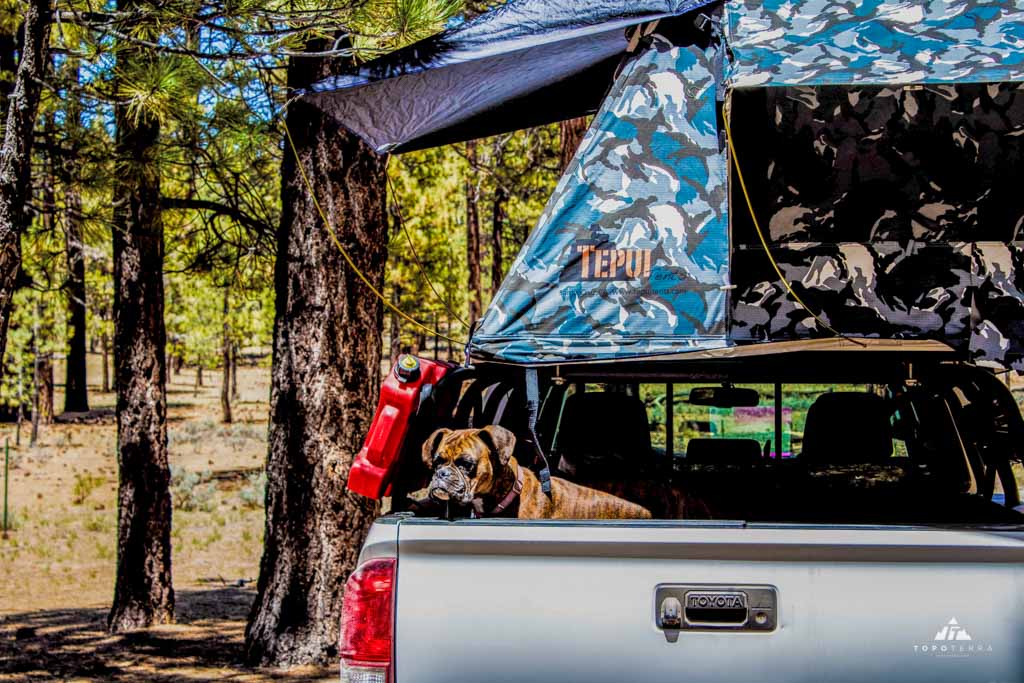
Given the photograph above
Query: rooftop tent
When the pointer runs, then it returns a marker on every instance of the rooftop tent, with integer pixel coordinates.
(884, 146)
(881, 143)
(528, 63)
(631, 255)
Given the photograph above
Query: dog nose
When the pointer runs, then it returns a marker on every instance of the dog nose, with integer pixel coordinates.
(444, 474)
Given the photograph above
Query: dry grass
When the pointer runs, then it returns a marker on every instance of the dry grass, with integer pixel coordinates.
(57, 566)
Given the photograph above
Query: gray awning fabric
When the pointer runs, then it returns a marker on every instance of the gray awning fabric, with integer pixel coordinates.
(528, 63)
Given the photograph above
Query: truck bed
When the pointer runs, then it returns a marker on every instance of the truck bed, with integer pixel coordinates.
(509, 600)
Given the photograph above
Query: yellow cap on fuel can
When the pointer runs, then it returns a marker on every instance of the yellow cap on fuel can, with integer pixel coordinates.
(408, 368)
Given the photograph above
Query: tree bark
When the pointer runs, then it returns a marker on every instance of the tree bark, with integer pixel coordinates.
(36, 367)
(42, 408)
(476, 294)
(498, 218)
(572, 132)
(105, 343)
(225, 385)
(16, 150)
(46, 388)
(325, 379)
(43, 323)
(143, 594)
(76, 391)
(234, 371)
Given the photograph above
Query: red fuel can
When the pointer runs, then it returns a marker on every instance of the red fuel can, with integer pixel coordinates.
(399, 397)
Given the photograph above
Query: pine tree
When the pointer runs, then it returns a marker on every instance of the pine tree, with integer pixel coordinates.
(143, 594)
(327, 350)
(22, 104)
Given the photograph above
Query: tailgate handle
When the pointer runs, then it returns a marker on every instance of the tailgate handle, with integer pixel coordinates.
(716, 609)
(705, 607)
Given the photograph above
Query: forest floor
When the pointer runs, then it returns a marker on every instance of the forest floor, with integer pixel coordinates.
(57, 565)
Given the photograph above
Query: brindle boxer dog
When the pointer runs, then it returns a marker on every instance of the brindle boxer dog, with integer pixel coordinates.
(476, 467)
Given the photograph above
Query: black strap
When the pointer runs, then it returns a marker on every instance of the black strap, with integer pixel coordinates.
(532, 409)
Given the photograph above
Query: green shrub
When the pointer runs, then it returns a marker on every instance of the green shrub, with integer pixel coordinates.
(192, 491)
(254, 493)
(84, 485)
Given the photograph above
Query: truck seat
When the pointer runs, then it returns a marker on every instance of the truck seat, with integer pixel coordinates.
(848, 428)
(604, 433)
(604, 442)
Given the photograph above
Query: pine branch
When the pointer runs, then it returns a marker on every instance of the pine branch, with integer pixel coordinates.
(217, 209)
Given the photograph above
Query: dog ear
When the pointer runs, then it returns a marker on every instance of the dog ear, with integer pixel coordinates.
(501, 441)
(431, 444)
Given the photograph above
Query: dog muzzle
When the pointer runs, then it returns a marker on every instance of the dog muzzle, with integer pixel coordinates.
(449, 483)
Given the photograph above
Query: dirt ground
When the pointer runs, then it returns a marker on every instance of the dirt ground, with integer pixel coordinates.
(57, 564)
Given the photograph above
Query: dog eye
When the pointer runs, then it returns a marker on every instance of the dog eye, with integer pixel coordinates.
(466, 465)
(436, 459)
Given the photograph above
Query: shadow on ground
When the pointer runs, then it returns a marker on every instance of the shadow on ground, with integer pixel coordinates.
(204, 645)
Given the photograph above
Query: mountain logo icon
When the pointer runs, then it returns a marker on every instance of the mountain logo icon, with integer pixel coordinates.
(953, 631)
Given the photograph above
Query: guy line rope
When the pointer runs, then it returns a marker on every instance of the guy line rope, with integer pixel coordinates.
(344, 252)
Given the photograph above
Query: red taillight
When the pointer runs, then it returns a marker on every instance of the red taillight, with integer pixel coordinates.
(366, 622)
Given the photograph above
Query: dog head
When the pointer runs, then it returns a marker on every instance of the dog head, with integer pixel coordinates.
(466, 462)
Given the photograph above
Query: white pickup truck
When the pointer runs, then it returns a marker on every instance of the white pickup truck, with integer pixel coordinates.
(861, 523)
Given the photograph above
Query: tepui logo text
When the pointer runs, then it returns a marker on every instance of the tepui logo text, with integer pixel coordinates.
(607, 263)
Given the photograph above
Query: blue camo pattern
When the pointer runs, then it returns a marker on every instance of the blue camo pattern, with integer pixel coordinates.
(630, 257)
(820, 42)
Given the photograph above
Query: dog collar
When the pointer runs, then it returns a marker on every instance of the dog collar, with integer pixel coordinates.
(517, 488)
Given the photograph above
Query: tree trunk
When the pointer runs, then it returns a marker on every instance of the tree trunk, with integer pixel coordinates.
(199, 376)
(325, 379)
(498, 217)
(42, 330)
(46, 388)
(21, 404)
(76, 392)
(143, 594)
(43, 322)
(572, 132)
(234, 371)
(36, 367)
(473, 236)
(105, 342)
(225, 385)
(16, 150)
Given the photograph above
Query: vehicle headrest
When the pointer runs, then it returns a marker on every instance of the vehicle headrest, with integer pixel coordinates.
(848, 428)
(599, 429)
(723, 451)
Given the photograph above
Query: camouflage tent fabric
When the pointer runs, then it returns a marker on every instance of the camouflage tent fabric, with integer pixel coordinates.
(631, 255)
(822, 42)
(893, 212)
(883, 144)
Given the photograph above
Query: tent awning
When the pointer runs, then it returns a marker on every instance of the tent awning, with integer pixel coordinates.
(525, 64)
(533, 62)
